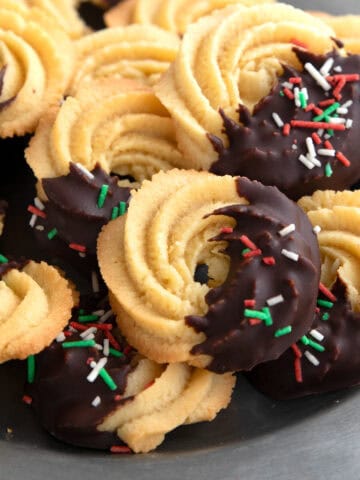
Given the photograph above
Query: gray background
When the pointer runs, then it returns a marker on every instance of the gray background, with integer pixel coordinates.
(256, 438)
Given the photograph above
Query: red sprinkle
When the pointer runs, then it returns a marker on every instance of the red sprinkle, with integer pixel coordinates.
(227, 230)
(317, 310)
(299, 43)
(327, 292)
(78, 326)
(127, 350)
(289, 93)
(113, 342)
(328, 145)
(120, 449)
(253, 253)
(77, 247)
(341, 157)
(296, 350)
(89, 360)
(310, 107)
(316, 138)
(100, 326)
(326, 103)
(117, 398)
(68, 334)
(27, 399)
(350, 77)
(250, 302)
(298, 370)
(317, 125)
(318, 111)
(247, 242)
(254, 321)
(36, 211)
(286, 129)
(340, 85)
(269, 260)
(295, 80)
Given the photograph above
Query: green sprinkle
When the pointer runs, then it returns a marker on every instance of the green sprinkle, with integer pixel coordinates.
(283, 331)
(122, 208)
(102, 195)
(52, 233)
(305, 340)
(326, 113)
(255, 314)
(302, 99)
(80, 343)
(31, 369)
(3, 259)
(268, 320)
(328, 170)
(282, 94)
(330, 133)
(107, 379)
(115, 353)
(316, 346)
(114, 213)
(326, 316)
(325, 303)
(88, 318)
(246, 250)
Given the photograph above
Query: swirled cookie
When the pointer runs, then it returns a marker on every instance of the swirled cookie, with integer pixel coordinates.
(36, 63)
(346, 28)
(255, 92)
(171, 15)
(119, 125)
(119, 395)
(326, 358)
(36, 303)
(139, 52)
(220, 272)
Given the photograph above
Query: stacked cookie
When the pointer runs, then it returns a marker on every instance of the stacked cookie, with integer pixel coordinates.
(168, 150)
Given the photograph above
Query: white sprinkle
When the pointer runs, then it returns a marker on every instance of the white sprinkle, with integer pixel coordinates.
(106, 349)
(82, 254)
(317, 229)
(347, 104)
(317, 335)
(327, 136)
(96, 367)
(294, 146)
(306, 162)
(327, 66)
(61, 337)
(342, 111)
(40, 228)
(98, 346)
(98, 312)
(338, 68)
(38, 203)
(320, 132)
(106, 316)
(89, 331)
(305, 92)
(72, 329)
(274, 300)
(95, 282)
(288, 85)
(297, 96)
(320, 80)
(327, 152)
(312, 359)
(286, 230)
(85, 171)
(96, 402)
(314, 160)
(291, 255)
(310, 147)
(277, 120)
(33, 220)
(337, 120)
(349, 123)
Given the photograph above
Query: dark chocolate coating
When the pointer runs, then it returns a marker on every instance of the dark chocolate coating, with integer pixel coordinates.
(339, 365)
(231, 341)
(259, 150)
(62, 396)
(4, 103)
(72, 205)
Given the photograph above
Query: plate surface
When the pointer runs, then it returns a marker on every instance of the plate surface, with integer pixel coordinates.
(255, 438)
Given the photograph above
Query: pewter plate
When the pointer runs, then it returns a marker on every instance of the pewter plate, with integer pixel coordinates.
(255, 438)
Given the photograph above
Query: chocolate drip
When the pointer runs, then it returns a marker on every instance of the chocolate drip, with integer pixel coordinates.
(339, 363)
(5, 103)
(259, 150)
(233, 342)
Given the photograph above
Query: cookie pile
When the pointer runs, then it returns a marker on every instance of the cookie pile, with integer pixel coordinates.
(168, 150)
